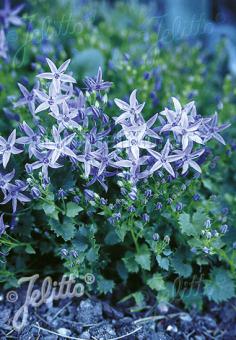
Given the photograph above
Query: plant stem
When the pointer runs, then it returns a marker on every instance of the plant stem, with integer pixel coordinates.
(135, 240)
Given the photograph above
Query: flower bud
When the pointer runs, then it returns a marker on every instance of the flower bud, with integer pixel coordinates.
(206, 250)
(148, 193)
(35, 192)
(207, 223)
(146, 218)
(224, 228)
(179, 207)
(155, 237)
(74, 253)
(76, 199)
(61, 193)
(131, 209)
(64, 252)
(208, 234)
(103, 201)
(167, 239)
(196, 197)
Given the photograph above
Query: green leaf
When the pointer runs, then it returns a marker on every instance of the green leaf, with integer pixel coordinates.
(199, 218)
(105, 286)
(156, 282)
(66, 229)
(112, 238)
(121, 231)
(192, 298)
(192, 227)
(179, 265)
(163, 262)
(185, 224)
(92, 255)
(72, 209)
(143, 257)
(139, 298)
(49, 209)
(29, 249)
(130, 263)
(220, 287)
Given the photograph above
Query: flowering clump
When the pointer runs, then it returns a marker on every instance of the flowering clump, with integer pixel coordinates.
(83, 135)
(72, 148)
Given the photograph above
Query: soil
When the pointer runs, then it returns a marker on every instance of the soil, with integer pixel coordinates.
(90, 318)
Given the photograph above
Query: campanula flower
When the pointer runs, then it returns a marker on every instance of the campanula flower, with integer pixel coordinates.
(57, 75)
(88, 158)
(104, 157)
(135, 141)
(32, 138)
(50, 101)
(131, 109)
(44, 162)
(100, 178)
(9, 16)
(187, 159)
(172, 117)
(189, 132)
(29, 97)
(7, 148)
(212, 130)
(15, 195)
(59, 146)
(163, 159)
(97, 83)
(3, 226)
(66, 118)
(133, 164)
(5, 180)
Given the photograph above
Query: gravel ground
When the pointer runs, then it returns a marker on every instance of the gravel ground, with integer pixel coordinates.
(89, 318)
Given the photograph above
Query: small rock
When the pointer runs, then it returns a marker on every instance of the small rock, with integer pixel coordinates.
(186, 318)
(160, 336)
(4, 315)
(64, 331)
(103, 332)
(172, 328)
(211, 323)
(85, 335)
(125, 321)
(89, 312)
